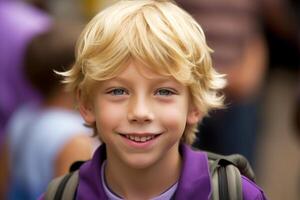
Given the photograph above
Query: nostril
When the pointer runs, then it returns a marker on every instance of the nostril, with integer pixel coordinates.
(140, 109)
(140, 118)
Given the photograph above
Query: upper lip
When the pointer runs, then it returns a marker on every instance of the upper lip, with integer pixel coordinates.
(140, 134)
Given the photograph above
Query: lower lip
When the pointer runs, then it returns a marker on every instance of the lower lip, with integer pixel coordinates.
(140, 145)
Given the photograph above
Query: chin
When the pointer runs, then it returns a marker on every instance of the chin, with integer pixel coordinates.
(140, 162)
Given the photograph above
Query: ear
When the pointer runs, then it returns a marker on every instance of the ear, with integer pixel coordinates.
(194, 115)
(85, 109)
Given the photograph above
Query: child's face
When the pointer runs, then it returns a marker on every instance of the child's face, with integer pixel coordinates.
(141, 116)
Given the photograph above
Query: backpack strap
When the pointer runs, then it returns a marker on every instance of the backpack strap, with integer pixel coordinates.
(225, 172)
(64, 187)
(226, 175)
(234, 181)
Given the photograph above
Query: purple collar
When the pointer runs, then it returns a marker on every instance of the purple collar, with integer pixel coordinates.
(194, 182)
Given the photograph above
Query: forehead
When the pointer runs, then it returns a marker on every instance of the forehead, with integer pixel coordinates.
(141, 69)
(135, 71)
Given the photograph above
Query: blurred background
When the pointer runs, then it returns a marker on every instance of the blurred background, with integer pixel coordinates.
(256, 43)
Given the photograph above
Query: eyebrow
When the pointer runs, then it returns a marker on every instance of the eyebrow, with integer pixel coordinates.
(158, 80)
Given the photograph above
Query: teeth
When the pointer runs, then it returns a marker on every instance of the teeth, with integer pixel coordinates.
(139, 139)
(136, 138)
(143, 139)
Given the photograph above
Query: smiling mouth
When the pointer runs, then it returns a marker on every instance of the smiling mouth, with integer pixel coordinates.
(140, 138)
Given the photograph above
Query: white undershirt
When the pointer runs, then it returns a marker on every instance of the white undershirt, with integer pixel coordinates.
(167, 195)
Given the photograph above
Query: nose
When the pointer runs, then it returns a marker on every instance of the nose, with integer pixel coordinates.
(140, 110)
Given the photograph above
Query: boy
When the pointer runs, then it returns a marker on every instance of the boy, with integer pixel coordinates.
(144, 78)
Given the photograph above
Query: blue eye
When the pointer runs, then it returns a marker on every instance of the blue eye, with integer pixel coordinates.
(117, 92)
(165, 92)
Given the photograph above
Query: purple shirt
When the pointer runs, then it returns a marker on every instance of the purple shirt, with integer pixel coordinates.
(19, 22)
(194, 182)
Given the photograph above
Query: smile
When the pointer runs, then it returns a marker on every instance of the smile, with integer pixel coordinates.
(140, 138)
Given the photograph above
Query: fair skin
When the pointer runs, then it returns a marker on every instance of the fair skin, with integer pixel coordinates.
(141, 117)
(78, 148)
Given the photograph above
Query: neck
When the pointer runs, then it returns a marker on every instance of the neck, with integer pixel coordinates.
(146, 183)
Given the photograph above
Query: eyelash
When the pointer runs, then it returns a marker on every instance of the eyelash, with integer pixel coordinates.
(113, 91)
(167, 92)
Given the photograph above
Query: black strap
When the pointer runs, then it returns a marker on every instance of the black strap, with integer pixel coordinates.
(61, 187)
(223, 184)
(64, 185)
(76, 165)
(226, 177)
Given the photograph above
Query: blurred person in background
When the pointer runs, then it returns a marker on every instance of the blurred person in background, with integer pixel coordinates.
(297, 110)
(287, 38)
(279, 151)
(258, 122)
(234, 32)
(19, 23)
(282, 30)
(45, 138)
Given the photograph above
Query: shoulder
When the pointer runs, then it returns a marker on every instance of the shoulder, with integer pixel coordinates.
(59, 125)
(194, 181)
(63, 130)
(19, 120)
(251, 191)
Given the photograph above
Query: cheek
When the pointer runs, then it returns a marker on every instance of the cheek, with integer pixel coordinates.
(108, 116)
(108, 111)
(173, 117)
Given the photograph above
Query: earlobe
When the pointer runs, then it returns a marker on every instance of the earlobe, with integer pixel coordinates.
(194, 116)
(87, 114)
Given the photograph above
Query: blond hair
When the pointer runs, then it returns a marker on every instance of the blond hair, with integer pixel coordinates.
(158, 34)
